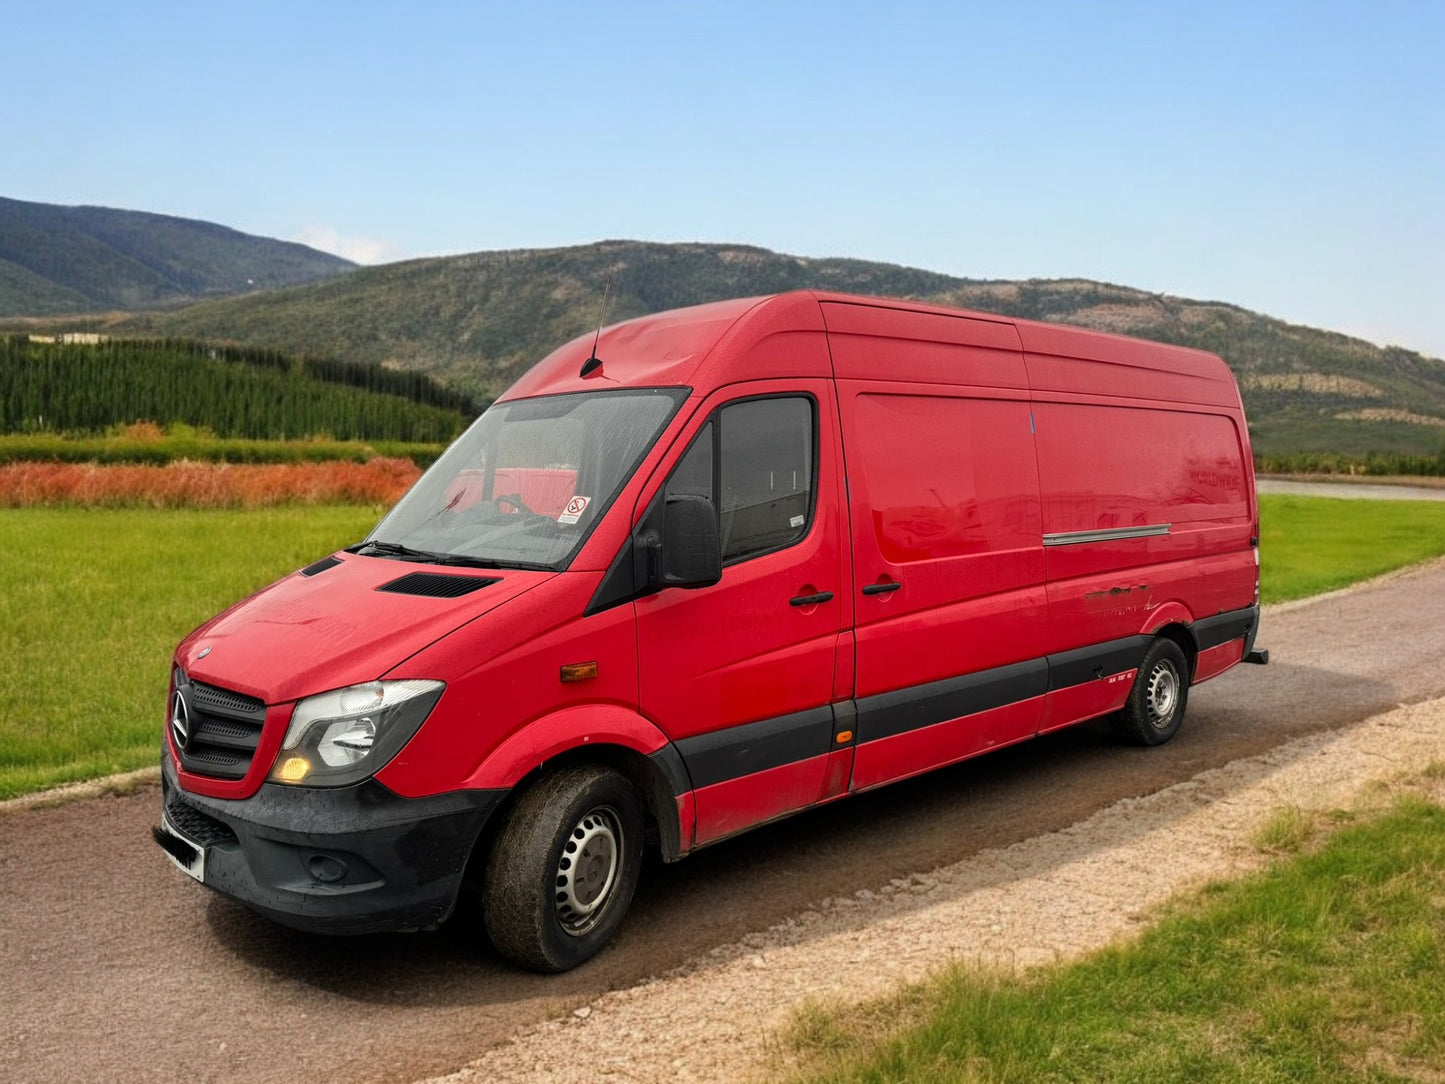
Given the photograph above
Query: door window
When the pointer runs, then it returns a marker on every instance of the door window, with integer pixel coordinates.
(756, 460)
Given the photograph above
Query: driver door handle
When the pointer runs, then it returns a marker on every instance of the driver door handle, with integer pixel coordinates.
(811, 600)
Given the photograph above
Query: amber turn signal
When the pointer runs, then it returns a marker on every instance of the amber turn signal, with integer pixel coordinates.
(294, 770)
(843, 737)
(578, 671)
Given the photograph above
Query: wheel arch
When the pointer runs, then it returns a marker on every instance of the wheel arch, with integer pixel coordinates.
(1173, 621)
(602, 734)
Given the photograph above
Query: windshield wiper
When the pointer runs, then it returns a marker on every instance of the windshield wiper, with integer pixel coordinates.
(467, 562)
(461, 560)
(490, 562)
(391, 549)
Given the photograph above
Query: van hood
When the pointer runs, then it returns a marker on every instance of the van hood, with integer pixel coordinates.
(344, 620)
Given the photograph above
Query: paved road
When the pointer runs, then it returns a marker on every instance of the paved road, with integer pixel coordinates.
(113, 966)
(1375, 491)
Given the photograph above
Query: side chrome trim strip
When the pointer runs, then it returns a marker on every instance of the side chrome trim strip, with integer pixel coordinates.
(1109, 534)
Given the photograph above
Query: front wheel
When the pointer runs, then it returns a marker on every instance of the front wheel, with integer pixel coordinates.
(1155, 708)
(561, 875)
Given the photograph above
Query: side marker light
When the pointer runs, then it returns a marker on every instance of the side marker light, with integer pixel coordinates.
(578, 671)
(843, 737)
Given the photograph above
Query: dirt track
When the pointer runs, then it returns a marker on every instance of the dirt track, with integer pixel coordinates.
(114, 966)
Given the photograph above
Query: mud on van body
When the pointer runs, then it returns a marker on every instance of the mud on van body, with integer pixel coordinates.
(768, 553)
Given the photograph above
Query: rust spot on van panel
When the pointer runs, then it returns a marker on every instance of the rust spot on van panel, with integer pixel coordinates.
(1115, 592)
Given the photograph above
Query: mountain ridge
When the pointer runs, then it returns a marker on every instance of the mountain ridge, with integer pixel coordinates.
(58, 259)
(479, 320)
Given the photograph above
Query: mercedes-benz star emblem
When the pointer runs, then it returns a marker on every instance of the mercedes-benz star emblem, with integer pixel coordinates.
(180, 721)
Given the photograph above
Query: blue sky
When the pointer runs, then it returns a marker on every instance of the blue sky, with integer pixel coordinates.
(1288, 157)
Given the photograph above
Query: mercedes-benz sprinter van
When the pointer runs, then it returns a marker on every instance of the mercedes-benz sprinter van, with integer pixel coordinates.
(739, 560)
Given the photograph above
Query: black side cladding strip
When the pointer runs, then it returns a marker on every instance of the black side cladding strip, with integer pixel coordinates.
(669, 762)
(1067, 668)
(771, 743)
(902, 710)
(756, 747)
(1222, 628)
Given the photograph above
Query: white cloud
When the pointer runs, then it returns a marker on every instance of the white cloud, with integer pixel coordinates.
(363, 250)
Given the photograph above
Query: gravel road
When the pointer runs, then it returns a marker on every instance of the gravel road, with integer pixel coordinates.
(1375, 491)
(113, 966)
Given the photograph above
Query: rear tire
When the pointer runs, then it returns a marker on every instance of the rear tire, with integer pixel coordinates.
(563, 870)
(1155, 708)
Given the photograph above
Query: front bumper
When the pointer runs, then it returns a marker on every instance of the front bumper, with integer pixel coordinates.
(356, 859)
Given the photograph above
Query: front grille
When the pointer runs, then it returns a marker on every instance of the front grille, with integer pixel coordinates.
(224, 730)
(220, 730)
(208, 696)
(197, 826)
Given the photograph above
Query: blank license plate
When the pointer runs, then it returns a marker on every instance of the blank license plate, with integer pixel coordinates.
(188, 856)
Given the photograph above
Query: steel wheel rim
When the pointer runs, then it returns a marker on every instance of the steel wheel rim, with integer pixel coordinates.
(1162, 696)
(587, 870)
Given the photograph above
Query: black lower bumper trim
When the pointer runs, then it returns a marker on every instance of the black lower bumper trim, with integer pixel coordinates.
(354, 859)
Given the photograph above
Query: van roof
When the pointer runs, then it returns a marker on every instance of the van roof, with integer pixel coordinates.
(675, 348)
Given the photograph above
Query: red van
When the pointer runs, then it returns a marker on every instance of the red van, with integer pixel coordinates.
(738, 560)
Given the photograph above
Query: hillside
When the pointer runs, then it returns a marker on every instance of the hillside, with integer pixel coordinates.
(56, 260)
(478, 321)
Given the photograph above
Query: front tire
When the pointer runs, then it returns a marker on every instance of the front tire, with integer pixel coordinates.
(562, 873)
(1155, 708)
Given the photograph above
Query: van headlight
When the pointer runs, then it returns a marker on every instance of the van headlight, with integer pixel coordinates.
(347, 735)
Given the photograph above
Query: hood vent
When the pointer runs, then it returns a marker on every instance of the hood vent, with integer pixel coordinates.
(436, 585)
(321, 566)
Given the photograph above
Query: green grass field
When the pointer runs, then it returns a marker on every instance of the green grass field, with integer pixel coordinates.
(1313, 544)
(1324, 967)
(92, 603)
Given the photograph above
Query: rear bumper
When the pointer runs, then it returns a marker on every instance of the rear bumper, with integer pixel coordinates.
(354, 859)
(1259, 657)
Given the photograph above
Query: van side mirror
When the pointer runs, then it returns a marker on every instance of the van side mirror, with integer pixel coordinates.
(689, 553)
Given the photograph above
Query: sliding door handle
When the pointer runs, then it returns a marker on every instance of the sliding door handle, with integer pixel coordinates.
(881, 588)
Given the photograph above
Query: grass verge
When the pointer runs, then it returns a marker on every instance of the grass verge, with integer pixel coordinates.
(1325, 966)
(1309, 545)
(92, 602)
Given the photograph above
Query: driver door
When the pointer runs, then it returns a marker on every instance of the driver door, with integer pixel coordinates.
(741, 675)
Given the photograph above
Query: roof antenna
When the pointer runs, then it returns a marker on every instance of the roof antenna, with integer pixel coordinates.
(593, 363)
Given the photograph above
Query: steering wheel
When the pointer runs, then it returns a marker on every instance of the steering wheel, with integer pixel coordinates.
(515, 500)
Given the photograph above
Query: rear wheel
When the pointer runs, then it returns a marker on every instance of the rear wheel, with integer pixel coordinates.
(563, 870)
(1155, 708)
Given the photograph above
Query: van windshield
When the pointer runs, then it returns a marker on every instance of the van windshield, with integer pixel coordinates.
(524, 485)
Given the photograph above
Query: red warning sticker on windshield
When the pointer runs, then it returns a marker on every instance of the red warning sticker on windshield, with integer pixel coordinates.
(573, 512)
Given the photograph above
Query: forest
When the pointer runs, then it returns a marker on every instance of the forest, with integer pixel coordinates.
(87, 388)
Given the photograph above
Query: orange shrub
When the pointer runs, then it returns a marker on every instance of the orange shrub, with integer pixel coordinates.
(149, 432)
(205, 485)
